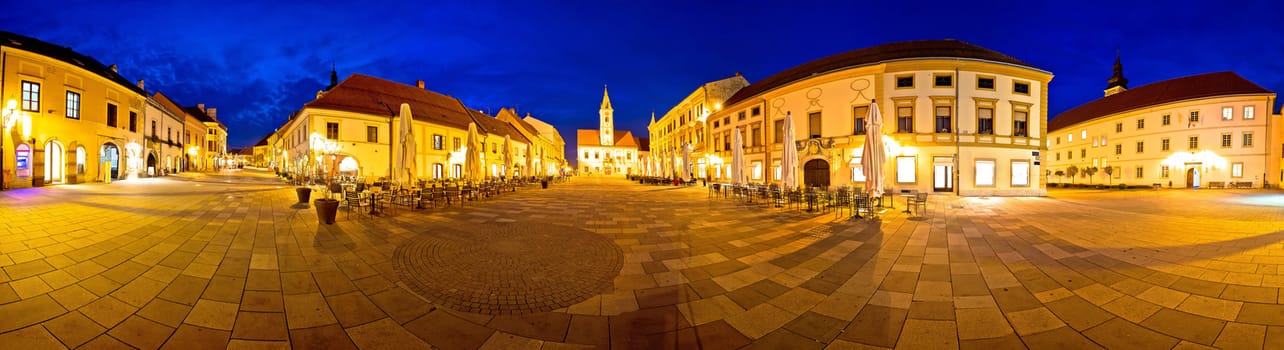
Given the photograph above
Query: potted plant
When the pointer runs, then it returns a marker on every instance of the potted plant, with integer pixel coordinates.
(543, 182)
(303, 193)
(327, 208)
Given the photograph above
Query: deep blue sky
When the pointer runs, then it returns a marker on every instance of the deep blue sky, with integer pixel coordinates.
(258, 62)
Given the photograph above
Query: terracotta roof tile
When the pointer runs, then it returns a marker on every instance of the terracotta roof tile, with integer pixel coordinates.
(589, 137)
(491, 126)
(361, 93)
(875, 55)
(1153, 94)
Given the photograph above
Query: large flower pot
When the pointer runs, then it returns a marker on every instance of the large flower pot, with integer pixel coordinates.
(543, 184)
(326, 210)
(303, 193)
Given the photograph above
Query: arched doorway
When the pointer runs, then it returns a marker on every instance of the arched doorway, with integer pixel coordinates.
(816, 173)
(1192, 178)
(151, 165)
(111, 154)
(55, 164)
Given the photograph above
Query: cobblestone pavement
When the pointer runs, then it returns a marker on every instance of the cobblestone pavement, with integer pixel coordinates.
(228, 261)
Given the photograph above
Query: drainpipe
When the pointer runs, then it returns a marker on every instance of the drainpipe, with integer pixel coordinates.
(958, 150)
(4, 62)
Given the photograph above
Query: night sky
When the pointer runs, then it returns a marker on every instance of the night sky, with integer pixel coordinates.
(258, 62)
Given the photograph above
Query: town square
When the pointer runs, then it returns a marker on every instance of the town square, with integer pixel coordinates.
(650, 175)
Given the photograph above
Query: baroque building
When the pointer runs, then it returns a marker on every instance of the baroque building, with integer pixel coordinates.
(686, 125)
(604, 151)
(957, 118)
(1214, 129)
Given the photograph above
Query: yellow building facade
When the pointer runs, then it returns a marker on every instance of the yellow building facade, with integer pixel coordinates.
(67, 117)
(957, 118)
(688, 123)
(1213, 129)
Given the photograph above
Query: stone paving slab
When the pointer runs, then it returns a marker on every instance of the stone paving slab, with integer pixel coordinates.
(230, 261)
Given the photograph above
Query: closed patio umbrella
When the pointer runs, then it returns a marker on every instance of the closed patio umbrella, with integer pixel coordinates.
(874, 155)
(737, 159)
(687, 167)
(472, 158)
(789, 156)
(508, 157)
(406, 151)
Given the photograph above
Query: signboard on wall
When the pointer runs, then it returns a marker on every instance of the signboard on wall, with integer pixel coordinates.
(23, 159)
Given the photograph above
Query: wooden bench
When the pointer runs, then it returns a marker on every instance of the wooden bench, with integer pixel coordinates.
(1216, 184)
(1242, 184)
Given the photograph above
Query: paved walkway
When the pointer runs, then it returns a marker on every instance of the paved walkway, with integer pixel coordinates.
(227, 261)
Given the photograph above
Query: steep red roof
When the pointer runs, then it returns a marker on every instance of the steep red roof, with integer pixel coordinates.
(948, 48)
(366, 94)
(588, 137)
(644, 144)
(1153, 94)
(491, 126)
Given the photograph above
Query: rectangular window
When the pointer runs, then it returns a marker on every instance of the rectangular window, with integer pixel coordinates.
(1168, 119)
(1119, 127)
(153, 128)
(1194, 116)
(1226, 140)
(903, 82)
(1163, 171)
(1228, 113)
(494, 147)
(905, 170)
(457, 145)
(1237, 169)
(813, 124)
(111, 115)
(717, 143)
(858, 119)
(740, 116)
(1069, 155)
(985, 173)
(756, 111)
(1058, 156)
(858, 170)
(1020, 173)
(1194, 142)
(1141, 124)
(372, 133)
(1248, 112)
(985, 121)
(757, 170)
(985, 83)
(332, 131)
(1163, 144)
(943, 80)
(780, 131)
(73, 105)
(133, 121)
(943, 119)
(1083, 153)
(1019, 124)
(757, 137)
(1021, 88)
(1248, 140)
(1119, 149)
(1141, 146)
(30, 96)
(905, 119)
(1140, 172)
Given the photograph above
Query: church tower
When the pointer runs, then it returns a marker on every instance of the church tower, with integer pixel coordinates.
(1117, 83)
(607, 128)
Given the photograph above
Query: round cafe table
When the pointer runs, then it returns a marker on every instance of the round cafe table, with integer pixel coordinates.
(907, 196)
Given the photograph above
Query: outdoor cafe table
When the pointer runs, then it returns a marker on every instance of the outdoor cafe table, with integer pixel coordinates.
(908, 197)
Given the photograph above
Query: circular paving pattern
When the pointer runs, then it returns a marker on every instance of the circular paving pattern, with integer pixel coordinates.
(499, 269)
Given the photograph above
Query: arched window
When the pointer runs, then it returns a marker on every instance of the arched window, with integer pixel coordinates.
(438, 170)
(80, 160)
(457, 171)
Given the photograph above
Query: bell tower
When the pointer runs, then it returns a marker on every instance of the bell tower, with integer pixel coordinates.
(607, 128)
(1117, 83)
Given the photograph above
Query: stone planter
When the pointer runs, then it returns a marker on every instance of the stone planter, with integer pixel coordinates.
(303, 193)
(326, 210)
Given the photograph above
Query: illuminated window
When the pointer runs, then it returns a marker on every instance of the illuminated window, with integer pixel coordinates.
(73, 105)
(858, 119)
(438, 142)
(1248, 140)
(1020, 173)
(457, 171)
(905, 170)
(985, 121)
(438, 171)
(985, 173)
(1228, 113)
(1237, 170)
(1083, 134)
(858, 171)
(1248, 112)
(757, 170)
(30, 96)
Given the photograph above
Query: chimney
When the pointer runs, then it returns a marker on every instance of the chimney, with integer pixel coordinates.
(420, 83)
(213, 113)
(140, 84)
(112, 67)
(200, 106)
(737, 74)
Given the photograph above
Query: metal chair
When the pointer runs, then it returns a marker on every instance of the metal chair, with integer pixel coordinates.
(352, 199)
(920, 201)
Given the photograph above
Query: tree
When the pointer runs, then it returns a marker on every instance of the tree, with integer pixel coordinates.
(1089, 172)
(1072, 171)
(1060, 174)
(1107, 172)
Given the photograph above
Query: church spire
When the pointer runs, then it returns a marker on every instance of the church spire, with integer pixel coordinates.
(334, 77)
(606, 98)
(652, 118)
(1117, 83)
